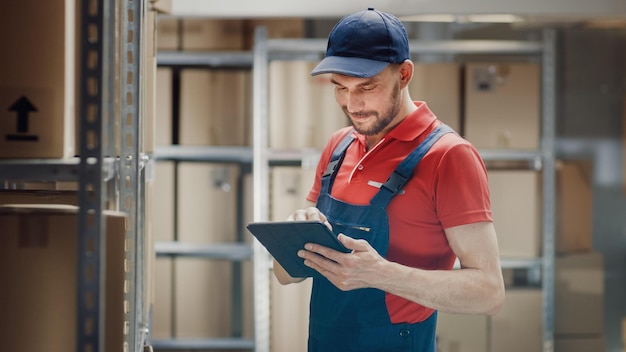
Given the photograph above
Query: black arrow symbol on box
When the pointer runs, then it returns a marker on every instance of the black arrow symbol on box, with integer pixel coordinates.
(23, 107)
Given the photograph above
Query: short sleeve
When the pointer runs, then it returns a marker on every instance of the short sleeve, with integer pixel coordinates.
(462, 188)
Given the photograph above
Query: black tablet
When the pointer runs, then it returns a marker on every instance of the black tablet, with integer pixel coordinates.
(283, 239)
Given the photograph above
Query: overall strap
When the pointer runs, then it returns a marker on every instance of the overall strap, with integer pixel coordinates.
(403, 173)
(328, 177)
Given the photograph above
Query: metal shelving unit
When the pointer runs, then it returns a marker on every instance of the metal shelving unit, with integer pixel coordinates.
(236, 252)
(543, 160)
(96, 169)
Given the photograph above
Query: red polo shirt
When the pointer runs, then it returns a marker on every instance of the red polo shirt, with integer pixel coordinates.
(449, 188)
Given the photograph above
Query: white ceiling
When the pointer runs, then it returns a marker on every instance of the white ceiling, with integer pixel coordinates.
(536, 9)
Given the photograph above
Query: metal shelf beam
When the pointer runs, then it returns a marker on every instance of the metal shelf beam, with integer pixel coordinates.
(227, 59)
(457, 47)
(204, 344)
(226, 251)
(241, 155)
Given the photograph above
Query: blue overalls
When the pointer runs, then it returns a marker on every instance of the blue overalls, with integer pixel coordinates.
(358, 320)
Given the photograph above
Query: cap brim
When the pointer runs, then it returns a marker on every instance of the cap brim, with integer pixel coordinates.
(349, 66)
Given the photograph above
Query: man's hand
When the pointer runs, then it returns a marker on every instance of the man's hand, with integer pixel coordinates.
(347, 271)
(310, 213)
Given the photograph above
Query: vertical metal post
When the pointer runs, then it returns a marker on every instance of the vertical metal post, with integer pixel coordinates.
(130, 57)
(260, 177)
(549, 184)
(96, 65)
(237, 286)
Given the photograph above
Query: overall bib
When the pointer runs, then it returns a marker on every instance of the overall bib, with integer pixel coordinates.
(358, 320)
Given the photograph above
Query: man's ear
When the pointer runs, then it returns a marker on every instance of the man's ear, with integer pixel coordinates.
(406, 72)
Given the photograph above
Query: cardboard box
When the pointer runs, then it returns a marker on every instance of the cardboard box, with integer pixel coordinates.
(38, 269)
(167, 34)
(200, 34)
(289, 315)
(163, 113)
(518, 325)
(439, 85)
(206, 214)
(37, 79)
(579, 294)
(288, 28)
(289, 304)
(516, 206)
(289, 188)
(38, 197)
(462, 333)
(591, 344)
(303, 112)
(214, 108)
(574, 208)
(161, 215)
(502, 105)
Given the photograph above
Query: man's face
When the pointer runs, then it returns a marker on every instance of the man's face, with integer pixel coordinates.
(372, 104)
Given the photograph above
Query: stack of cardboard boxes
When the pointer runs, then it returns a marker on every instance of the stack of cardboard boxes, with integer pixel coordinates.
(502, 112)
(194, 297)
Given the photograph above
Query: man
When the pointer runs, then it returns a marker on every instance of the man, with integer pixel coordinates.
(405, 193)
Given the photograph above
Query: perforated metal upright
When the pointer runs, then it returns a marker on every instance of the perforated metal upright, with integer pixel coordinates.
(131, 171)
(98, 136)
(95, 112)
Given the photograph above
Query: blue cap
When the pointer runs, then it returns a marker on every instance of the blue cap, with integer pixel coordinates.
(363, 44)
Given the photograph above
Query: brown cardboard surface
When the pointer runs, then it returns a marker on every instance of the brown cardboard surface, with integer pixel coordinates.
(206, 214)
(517, 327)
(579, 294)
(161, 215)
(200, 34)
(289, 188)
(163, 113)
(303, 112)
(149, 258)
(516, 206)
(214, 108)
(167, 35)
(289, 304)
(438, 84)
(275, 27)
(38, 270)
(37, 79)
(289, 316)
(38, 197)
(502, 105)
(462, 332)
(574, 207)
(591, 344)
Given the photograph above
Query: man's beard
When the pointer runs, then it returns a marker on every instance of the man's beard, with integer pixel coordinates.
(383, 120)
